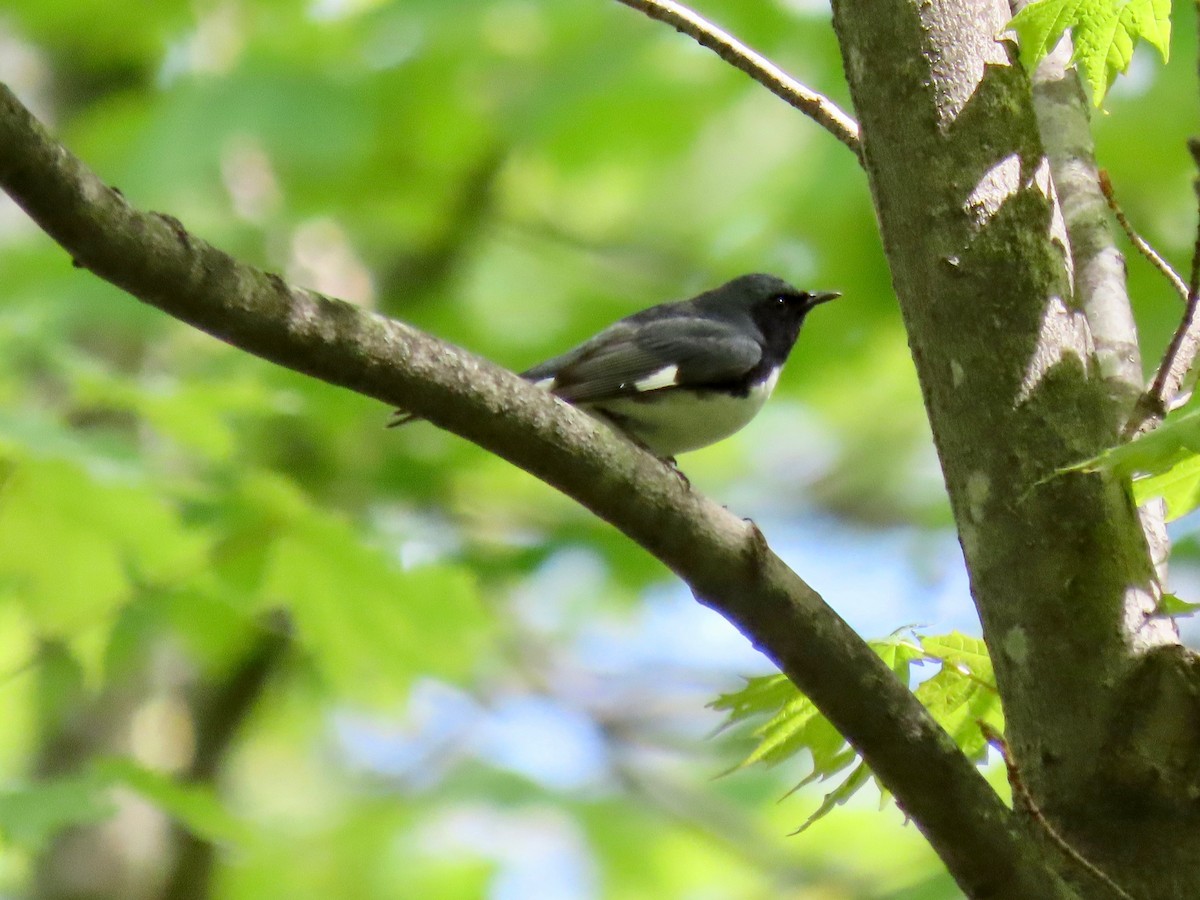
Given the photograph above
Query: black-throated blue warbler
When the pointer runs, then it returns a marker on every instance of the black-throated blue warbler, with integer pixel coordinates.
(680, 376)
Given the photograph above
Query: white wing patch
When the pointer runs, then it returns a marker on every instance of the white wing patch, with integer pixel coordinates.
(679, 421)
(664, 377)
(545, 383)
(768, 386)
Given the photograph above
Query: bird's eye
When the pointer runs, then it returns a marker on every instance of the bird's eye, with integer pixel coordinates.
(781, 299)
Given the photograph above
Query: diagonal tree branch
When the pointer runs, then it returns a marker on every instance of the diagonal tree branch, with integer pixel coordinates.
(816, 106)
(1177, 362)
(1140, 244)
(724, 559)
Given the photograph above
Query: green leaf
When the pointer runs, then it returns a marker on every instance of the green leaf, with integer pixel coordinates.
(962, 651)
(32, 814)
(1179, 487)
(839, 795)
(1150, 454)
(796, 724)
(1105, 33)
(958, 702)
(1168, 459)
(195, 806)
(958, 696)
(196, 413)
(899, 653)
(1040, 25)
(963, 692)
(828, 749)
(786, 733)
(1172, 605)
(761, 694)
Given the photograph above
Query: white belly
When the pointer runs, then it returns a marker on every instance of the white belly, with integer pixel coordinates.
(679, 420)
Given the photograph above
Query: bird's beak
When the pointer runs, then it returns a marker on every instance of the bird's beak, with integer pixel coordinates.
(819, 297)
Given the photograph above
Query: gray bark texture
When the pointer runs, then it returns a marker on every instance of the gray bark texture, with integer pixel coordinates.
(1100, 701)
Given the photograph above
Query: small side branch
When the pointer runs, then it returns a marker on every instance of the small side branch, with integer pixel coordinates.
(1185, 343)
(816, 106)
(1140, 243)
(1194, 280)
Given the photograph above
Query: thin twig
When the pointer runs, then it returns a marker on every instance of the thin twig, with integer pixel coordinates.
(1021, 794)
(816, 106)
(1181, 352)
(1185, 343)
(1194, 282)
(1141, 244)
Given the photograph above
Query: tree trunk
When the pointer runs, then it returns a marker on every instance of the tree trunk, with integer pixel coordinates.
(1060, 567)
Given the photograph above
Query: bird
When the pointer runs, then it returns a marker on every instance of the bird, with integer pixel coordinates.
(686, 374)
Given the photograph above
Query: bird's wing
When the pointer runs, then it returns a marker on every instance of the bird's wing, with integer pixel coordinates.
(628, 359)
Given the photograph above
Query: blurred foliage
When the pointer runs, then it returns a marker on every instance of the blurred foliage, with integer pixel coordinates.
(485, 691)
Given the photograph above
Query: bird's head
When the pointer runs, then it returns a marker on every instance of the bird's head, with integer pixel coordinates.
(777, 308)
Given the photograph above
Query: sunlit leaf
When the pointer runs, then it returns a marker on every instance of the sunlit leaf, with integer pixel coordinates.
(858, 777)
(1175, 440)
(764, 693)
(898, 653)
(1105, 33)
(958, 702)
(1179, 487)
(958, 696)
(962, 651)
(1173, 605)
(1164, 463)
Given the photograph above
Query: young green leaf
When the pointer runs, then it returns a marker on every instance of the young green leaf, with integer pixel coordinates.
(1175, 440)
(795, 723)
(786, 733)
(959, 702)
(1172, 605)
(839, 794)
(1179, 486)
(959, 695)
(1167, 459)
(1105, 33)
(961, 651)
(762, 694)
